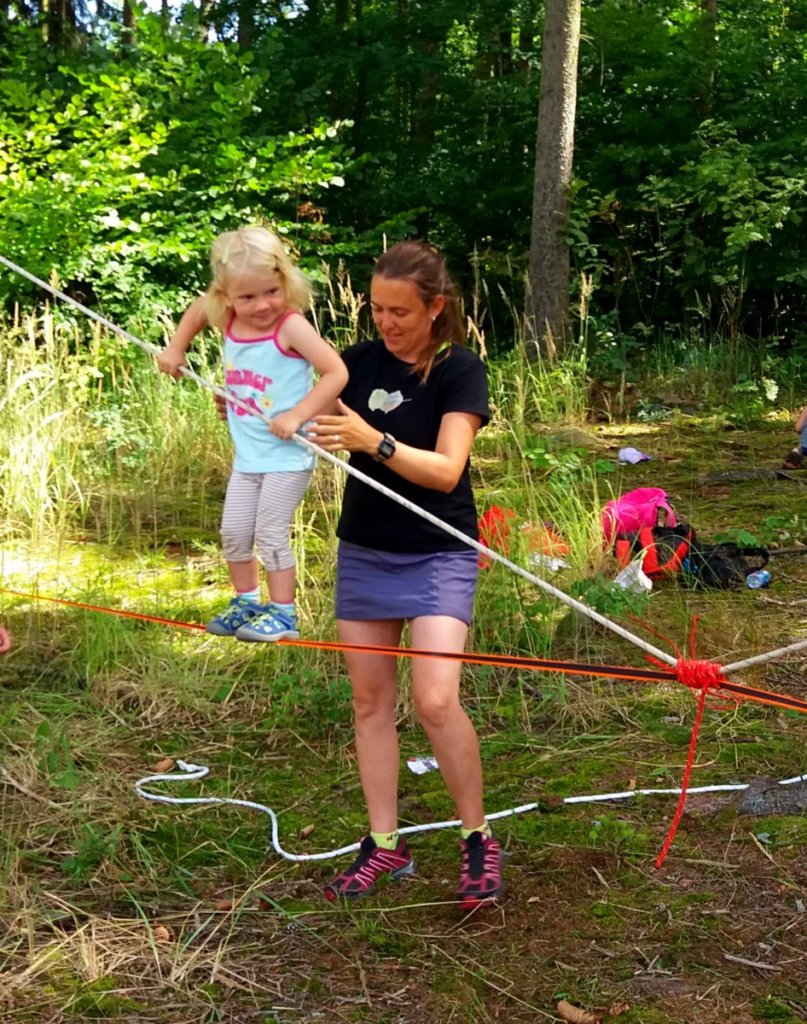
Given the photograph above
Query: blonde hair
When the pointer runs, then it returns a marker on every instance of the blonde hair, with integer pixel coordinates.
(252, 250)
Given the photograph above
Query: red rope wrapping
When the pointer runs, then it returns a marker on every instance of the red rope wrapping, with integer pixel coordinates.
(702, 676)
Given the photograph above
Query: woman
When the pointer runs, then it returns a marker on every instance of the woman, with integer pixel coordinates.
(409, 415)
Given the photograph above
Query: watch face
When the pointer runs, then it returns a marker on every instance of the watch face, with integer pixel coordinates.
(386, 446)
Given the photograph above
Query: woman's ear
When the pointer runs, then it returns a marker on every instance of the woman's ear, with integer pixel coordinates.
(437, 306)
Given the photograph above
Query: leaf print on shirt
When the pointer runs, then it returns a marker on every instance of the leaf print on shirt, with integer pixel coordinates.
(385, 401)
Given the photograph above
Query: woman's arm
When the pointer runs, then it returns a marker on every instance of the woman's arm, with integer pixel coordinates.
(801, 420)
(193, 322)
(439, 470)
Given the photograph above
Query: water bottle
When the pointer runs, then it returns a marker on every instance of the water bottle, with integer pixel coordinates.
(758, 579)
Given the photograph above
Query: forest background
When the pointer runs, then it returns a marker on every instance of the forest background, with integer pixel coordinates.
(130, 138)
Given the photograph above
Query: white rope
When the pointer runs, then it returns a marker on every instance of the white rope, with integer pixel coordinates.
(352, 471)
(194, 772)
(760, 659)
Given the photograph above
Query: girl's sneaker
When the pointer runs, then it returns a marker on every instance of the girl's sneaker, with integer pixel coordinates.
(481, 871)
(237, 612)
(273, 625)
(372, 862)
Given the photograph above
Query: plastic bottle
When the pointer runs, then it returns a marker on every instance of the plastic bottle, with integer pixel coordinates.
(758, 579)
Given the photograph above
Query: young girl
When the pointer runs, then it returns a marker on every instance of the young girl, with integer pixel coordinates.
(256, 297)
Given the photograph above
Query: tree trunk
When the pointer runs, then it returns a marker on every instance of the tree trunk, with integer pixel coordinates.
(129, 24)
(246, 24)
(546, 321)
(709, 32)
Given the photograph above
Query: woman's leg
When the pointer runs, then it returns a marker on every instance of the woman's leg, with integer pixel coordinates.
(436, 687)
(456, 747)
(373, 678)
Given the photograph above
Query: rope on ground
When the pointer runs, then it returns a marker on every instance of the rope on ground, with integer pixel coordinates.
(195, 772)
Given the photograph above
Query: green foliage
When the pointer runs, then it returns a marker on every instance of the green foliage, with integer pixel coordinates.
(741, 537)
(117, 172)
(93, 849)
(787, 529)
(614, 833)
(561, 468)
(770, 1008)
(608, 598)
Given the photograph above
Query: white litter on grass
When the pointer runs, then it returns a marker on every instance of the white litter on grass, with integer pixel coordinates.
(634, 578)
(422, 765)
(549, 562)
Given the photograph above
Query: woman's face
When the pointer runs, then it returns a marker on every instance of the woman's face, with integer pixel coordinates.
(402, 318)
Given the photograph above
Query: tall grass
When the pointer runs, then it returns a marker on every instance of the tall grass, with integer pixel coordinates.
(94, 441)
(97, 445)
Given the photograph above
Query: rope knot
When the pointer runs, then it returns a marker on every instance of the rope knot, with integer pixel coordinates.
(699, 675)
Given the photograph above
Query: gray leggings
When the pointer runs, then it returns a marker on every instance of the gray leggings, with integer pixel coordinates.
(258, 509)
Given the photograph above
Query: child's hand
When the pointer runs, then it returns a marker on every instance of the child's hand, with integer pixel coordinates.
(5, 640)
(171, 360)
(285, 424)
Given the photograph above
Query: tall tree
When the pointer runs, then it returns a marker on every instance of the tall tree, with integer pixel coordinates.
(547, 299)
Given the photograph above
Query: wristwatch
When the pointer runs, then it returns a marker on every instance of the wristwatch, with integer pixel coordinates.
(386, 448)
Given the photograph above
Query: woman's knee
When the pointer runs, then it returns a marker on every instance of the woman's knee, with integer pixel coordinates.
(374, 702)
(435, 709)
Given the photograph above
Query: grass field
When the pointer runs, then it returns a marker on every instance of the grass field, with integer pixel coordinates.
(115, 908)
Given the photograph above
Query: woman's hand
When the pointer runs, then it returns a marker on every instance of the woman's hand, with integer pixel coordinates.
(345, 430)
(5, 640)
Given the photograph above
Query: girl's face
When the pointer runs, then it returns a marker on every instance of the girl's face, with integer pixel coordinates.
(402, 318)
(257, 299)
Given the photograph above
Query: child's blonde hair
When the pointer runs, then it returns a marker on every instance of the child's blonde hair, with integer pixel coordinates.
(252, 250)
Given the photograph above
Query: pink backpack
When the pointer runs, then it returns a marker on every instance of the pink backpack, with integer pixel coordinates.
(635, 510)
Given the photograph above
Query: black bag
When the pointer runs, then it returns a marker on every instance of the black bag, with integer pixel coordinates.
(721, 566)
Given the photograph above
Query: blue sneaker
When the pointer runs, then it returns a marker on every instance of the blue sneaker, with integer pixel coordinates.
(237, 612)
(273, 625)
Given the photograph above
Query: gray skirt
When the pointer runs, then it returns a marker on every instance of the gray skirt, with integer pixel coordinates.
(391, 585)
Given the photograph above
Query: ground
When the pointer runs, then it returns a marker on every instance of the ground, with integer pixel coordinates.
(118, 909)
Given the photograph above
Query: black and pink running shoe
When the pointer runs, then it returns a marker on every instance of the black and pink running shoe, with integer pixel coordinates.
(372, 862)
(481, 871)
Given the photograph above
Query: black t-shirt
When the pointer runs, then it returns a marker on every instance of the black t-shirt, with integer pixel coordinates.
(386, 393)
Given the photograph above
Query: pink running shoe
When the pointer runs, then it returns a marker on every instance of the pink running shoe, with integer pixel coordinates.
(481, 871)
(372, 862)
